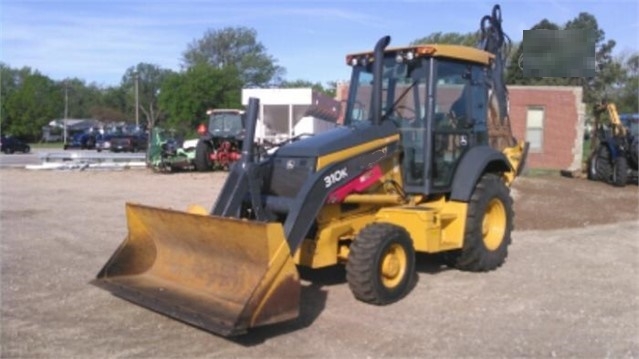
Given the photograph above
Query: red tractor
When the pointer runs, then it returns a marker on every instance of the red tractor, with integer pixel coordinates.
(220, 142)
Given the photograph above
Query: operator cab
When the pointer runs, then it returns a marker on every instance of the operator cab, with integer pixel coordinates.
(225, 123)
(437, 97)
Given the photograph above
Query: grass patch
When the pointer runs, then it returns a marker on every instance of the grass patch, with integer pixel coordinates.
(586, 148)
(47, 145)
(541, 172)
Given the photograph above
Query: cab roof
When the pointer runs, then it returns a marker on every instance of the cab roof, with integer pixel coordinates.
(458, 52)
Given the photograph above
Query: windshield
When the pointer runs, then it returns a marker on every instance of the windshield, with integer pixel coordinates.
(225, 122)
(403, 89)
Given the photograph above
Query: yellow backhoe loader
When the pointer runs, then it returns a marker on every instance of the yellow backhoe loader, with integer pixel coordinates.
(423, 163)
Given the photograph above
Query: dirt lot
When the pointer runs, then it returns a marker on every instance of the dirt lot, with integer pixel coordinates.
(570, 287)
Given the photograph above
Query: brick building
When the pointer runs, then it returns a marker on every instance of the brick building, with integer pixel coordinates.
(550, 118)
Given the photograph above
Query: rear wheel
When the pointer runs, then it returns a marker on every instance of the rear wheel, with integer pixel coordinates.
(620, 172)
(603, 164)
(203, 156)
(488, 226)
(381, 264)
(26, 149)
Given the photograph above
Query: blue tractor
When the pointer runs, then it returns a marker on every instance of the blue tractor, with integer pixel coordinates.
(614, 156)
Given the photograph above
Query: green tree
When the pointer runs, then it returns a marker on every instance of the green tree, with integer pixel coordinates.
(329, 90)
(112, 106)
(149, 80)
(185, 97)
(81, 98)
(237, 47)
(8, 85)
(608, 71)
(627, 97)
(514, 69)
(454, 38)
(32, 103)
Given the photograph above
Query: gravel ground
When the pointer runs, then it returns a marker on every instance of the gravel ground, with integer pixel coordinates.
(568, 289)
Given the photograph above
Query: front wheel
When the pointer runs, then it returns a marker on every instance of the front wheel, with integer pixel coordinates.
(381, 264)
(489, 223)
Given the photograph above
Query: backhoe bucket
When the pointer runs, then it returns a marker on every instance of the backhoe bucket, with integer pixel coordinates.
(224, 275)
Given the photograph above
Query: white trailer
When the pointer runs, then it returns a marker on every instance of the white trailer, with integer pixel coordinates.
(287, 112)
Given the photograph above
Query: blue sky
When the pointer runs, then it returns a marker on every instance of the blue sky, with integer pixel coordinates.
(98, 40)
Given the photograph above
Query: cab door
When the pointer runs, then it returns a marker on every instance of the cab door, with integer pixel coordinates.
(458, 118)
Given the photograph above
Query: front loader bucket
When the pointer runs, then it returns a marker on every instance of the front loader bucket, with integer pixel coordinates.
(221, 274)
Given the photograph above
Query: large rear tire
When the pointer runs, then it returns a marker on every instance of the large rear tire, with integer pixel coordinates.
(203, 157)
(489, 224)
(381, 264)
(620, 172)
(603, 164)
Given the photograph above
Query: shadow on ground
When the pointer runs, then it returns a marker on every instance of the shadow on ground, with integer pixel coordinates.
(314, 296)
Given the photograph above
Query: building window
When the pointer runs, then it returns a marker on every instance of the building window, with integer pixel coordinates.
(535, 128)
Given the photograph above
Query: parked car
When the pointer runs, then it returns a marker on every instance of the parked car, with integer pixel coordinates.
(132, 142)
(10, 144)
(84, 140)
(104, 142)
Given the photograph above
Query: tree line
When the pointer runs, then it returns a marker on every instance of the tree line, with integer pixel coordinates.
(217, 66)
(213, 71)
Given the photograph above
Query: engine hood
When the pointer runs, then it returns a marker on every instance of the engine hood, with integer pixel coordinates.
(337, 139)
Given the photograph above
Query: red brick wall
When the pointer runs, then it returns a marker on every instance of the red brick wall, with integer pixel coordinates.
(560, 122)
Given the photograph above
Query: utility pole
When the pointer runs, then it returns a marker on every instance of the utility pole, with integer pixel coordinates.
(137, 101)
(66, 109)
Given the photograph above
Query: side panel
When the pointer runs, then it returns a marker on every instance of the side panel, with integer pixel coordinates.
(325, 250)
(313, 194)
(433, 227)
(475, 162)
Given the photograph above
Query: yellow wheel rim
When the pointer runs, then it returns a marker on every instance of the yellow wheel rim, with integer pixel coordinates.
(494, 224)
(393, 266)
